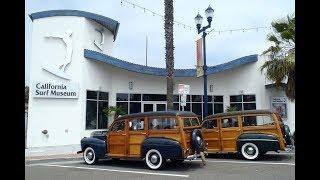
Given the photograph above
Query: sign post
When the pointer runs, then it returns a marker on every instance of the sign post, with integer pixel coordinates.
(183, 91)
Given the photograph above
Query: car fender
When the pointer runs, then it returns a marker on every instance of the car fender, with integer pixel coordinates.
(265, 142)
(169, 148)
(98, 145)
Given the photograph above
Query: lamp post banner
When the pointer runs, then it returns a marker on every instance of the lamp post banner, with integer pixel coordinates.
(199, 52)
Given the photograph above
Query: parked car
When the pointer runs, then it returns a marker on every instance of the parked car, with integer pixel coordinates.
(152, 136)
(99, 134)
(250, 133)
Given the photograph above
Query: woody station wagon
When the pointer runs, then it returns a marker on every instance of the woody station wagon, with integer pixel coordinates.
(250, 133)
(151, 136)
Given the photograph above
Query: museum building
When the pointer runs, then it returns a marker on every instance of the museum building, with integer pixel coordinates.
(73, 77)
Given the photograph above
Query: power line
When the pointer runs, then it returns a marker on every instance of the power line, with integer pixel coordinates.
(185, 26)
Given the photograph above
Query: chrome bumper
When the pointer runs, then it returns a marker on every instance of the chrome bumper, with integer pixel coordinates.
(195, 156)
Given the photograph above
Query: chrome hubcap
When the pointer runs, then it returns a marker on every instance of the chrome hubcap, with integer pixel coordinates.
(250, 150)
(90, 155)
(154, 159)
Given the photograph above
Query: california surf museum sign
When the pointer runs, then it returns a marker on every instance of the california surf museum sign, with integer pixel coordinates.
(55, 90)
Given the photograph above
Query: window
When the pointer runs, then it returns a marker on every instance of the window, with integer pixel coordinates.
(135, 107)
(122, 97)
(124, 106)
(191, 122)
(229, 122)
(197, 108)
(95, 117)
(196, 98)
(257, 120)
(135, 97)
(176, 106)
(118, 126)
(162, 123)
(210, 124)
(136, 124)
(154, 97)
(131, 103)
(186, 108)
(217, 104)
(243, 102)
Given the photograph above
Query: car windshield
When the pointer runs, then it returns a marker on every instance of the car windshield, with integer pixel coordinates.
(190, 121)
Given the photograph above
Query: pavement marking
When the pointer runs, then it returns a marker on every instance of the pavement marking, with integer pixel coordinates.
(58, 162)
(116, 170)
(249, 162)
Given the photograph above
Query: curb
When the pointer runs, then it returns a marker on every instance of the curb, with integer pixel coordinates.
(49, 157)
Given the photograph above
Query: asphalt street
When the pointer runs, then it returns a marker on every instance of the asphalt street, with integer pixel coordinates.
(219, 166)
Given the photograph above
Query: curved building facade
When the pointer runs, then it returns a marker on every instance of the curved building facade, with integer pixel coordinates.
(73, 77)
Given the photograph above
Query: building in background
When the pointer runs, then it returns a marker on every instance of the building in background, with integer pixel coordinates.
(73, 77)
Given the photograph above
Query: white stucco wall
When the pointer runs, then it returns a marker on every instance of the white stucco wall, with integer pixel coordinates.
(63, 118)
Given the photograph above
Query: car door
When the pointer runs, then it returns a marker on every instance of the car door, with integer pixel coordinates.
(137, 134)
(230, 130)
(117, 139)
(211, 134)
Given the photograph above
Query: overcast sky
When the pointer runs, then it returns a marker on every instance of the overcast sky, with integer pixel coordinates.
(135, 25)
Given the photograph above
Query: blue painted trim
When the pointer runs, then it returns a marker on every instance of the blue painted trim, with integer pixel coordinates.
(93, 55)
(108, 23)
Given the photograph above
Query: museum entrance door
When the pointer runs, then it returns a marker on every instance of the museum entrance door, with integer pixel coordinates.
(154, 106)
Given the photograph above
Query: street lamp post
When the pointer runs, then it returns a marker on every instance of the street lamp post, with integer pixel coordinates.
(198, 19)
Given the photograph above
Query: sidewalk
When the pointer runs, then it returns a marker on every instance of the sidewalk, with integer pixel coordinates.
(52, 152)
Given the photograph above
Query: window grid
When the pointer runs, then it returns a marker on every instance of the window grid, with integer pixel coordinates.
(242, 102)
(179, 101)
(97, 100)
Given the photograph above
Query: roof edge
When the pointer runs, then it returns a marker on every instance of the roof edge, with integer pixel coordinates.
(108, 23)
(94, 55)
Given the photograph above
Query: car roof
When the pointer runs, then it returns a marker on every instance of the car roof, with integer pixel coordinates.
(158, 113)
(234, 113)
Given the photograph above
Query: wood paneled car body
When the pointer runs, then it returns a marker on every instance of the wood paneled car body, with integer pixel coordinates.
(153, 136)
(250, 133)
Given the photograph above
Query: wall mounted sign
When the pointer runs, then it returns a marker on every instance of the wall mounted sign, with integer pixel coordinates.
(183, 89)
(67, 90)
(60, 70)
(279, 104)
(130, 85)
(99, 44)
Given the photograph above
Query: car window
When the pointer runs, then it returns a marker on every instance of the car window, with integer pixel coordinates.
(259, 120)
(210, 124)
(229, 122)
(186, 123)
(118, 126)
(162, 123)
(136, 124)
(190, 122)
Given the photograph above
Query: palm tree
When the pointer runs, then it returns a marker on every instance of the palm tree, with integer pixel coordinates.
(282, 54)
(114, 110)
(231, 108)
(168, 28)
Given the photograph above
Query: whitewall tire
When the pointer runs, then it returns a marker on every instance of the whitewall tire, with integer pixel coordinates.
(250, 151)
(89, 156)
(154, 159)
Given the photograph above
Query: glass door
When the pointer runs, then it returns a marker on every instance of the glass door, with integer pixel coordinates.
(147, 107)
(154, 106)
(160, 107)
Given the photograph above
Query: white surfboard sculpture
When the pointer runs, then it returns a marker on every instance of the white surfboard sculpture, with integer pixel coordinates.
(60, 70)
(99, 45)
